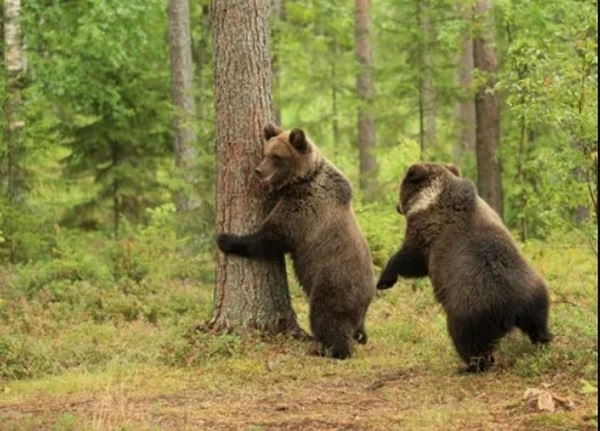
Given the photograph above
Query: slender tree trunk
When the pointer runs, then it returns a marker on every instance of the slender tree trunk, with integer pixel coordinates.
(200, 58)
(13, 121)
(278, 16)
(248, 293)
(420, 81)
(465, 109)
(522, 155)
(487, 110)
(182, 71)
(425, 84)
(589, 171)
(365, 92)
(335, 125)
(116, 197)
(429, 109)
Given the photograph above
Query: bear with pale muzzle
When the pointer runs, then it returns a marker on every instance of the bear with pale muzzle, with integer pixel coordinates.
(479, 276)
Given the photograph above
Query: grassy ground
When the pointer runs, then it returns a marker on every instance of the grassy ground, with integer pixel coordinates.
(148, 373)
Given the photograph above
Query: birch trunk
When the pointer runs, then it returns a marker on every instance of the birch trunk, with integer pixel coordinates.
(14, 138)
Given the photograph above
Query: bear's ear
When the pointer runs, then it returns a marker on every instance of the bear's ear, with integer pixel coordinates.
(298, 140)
(271, 130)
(453, 168)
(415, 173)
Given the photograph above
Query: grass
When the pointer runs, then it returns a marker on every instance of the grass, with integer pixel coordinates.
(67, 366)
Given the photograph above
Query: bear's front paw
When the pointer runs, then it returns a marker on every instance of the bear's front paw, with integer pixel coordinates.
(227, 242)
(386, 281)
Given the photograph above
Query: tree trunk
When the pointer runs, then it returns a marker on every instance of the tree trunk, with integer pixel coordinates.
(14, 138)
(365, 92)
(421, 103)
(248, 293)
(182, 70)
(200, 58)
(521, 161)
(487, 111)
(335, 125)
(278, 16)
(428, 93)
(465, 109)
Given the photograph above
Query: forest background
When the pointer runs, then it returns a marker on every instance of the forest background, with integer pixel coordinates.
(107, 205)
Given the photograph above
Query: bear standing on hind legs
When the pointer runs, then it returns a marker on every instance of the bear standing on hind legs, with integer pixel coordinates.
(477, 271)
(312, 218)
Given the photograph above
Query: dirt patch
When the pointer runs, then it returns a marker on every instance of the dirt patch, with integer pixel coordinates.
(382, 401)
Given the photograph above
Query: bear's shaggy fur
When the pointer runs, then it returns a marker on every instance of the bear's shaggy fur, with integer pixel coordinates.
(312, 218)
(477, 271)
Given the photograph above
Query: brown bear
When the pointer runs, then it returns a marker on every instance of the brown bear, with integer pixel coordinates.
(478, 274)
(312, 218)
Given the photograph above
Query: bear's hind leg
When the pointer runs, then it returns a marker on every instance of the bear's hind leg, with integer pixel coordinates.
(475, 341)
(333, 333)
(533, 320)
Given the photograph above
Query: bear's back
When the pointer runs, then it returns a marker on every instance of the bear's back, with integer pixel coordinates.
(479, 265)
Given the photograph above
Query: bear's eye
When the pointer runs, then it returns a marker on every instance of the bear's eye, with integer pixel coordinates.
(276, 158)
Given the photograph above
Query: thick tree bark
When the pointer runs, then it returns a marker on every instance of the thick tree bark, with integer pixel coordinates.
(248, 293)
(487, 110)
(14, 138)
(465, 109)
(365, 92)
(182, 71)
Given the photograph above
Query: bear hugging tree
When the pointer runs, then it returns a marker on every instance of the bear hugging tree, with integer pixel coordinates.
(312, 218)
(478, 274)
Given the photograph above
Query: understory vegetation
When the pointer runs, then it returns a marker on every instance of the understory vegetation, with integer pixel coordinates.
(106, 285)
(108, 325)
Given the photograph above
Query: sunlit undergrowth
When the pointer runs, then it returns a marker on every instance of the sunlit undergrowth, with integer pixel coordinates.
(137, 300)
(111, 325)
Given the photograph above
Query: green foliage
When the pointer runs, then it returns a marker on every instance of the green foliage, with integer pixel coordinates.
(550, 80)
(99, 270)
(109, 54)
(69, 311)
(101, 276)
(98, 114)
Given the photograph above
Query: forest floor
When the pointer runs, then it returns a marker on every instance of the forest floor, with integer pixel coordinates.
(299, 395)
(406, 377)
(318, 398)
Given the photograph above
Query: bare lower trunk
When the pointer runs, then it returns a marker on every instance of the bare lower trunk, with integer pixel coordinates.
(365, 92)
(248, 293)
(13, 121)
(487, 111)
(184, 149)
